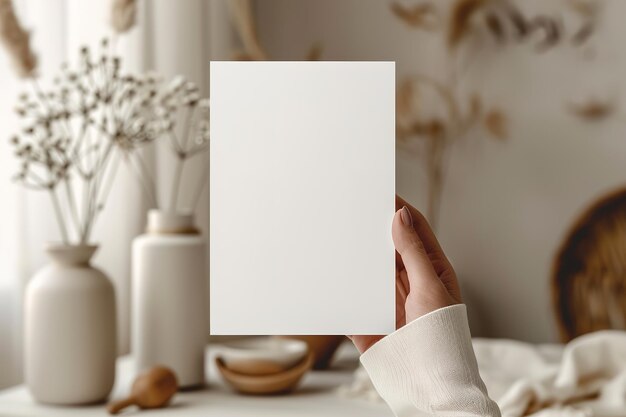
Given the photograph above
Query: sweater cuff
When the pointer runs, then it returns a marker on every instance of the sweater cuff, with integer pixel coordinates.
(429, 364)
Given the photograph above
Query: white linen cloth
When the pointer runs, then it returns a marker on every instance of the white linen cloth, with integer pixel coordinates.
(587, 377)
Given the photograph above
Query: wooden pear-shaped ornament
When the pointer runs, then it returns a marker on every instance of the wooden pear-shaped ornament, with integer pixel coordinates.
(151, 389)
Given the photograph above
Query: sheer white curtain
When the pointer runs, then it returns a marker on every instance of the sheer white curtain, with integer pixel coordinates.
(171, 37)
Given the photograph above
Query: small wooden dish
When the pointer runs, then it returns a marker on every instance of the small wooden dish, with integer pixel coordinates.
(275, 383)
(262, 355)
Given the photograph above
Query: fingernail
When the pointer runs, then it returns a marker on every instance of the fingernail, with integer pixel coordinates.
(405, 215)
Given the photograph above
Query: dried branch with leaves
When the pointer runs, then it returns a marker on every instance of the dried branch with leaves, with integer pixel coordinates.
(463, 111)
(245, 26)
(502, 20)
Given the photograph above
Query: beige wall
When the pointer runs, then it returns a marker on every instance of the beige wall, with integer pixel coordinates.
(507, 205)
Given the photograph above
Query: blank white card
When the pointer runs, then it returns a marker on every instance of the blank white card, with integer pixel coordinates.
(302, 198)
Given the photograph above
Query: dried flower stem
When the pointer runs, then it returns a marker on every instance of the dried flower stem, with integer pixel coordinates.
(71, 199)
(437, 167)
(61, 221)
(181, 102)
(144, 179)
(151, 183)
(178, 172)
(95, 183)
(109, 179)
(246, 28)
(439, 141)
(189, 113)
(503, 22)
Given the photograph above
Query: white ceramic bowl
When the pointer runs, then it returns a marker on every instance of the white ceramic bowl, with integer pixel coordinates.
(270, 353)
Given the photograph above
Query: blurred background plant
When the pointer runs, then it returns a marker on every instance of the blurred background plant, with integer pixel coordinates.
(251, 48)
(76, 131)
(183, 119)
(466, 26)
(72, 130)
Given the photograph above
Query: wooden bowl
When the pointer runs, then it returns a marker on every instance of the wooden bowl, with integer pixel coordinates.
(324, 347)
(262, 355)
(275, 383)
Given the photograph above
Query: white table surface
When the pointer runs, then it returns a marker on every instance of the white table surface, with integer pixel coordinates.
(315, 396)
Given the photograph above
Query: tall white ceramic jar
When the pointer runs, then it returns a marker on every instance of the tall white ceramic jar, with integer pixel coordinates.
(70, 329)
(169, 301)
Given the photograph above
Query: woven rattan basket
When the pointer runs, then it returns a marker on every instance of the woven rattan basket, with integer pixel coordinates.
(589, 272)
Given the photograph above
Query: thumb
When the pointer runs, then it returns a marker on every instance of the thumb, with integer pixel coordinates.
(408, 244)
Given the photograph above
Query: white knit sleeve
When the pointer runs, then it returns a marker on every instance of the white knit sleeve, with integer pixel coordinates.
(428, 368)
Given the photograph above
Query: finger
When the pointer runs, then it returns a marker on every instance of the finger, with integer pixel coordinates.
(402, 287)
(364, 342)
(426, 234)
(399, 264)
(410, 247)
(401, 296)
(437, 257)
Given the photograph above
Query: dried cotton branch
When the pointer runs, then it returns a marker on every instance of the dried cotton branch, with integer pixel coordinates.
(181, 101)
(178, 115)
(72, 129)
(16, 40)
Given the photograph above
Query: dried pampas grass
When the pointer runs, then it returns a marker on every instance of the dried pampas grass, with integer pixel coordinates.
(585, 8)
(245, 26)
(460, 114)
(405, 98)
(423, 16)
(498, 17)
(460, 18)
(464, 22)
(315, 52)
(243, 17)
(123, 15)
(593, 110)
(501, 19)
(16, 40)
(495, 26)
(495, 122)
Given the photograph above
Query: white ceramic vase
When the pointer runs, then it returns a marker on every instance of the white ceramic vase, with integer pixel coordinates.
(70, 329)
(169, 305)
